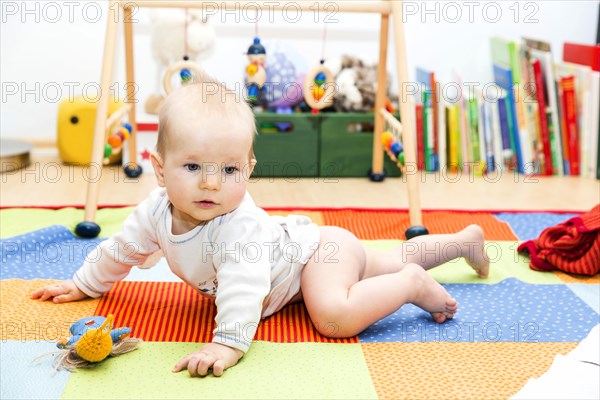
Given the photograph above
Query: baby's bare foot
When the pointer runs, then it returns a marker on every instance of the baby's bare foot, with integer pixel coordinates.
(430, 295)
(477, 257)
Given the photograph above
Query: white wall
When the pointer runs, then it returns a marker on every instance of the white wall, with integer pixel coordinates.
(53, 49)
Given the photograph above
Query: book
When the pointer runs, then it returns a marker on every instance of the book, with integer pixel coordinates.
(453, 137)
(509, 54)
(503, 78)
(441, 133)
(420, 140)
(569, 106)
(583, 54)
(544, 117)
(463, 125)
(428, 87)
(551, 97)
(508, 156)
(506, 52)
(563, 128)
(530, 107)
(583, 96)
(428, 135)
(474, 134)
(497, 135)
(488, 164)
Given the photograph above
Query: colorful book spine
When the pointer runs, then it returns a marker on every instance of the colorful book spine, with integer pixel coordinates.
(436, 120)
(543, 116)
(488, 137)
(503, 78)
(589, 55)
(453, 127)
(563, 128)
(570, 117)
(428, 131)
(507, 153)
(420, 140)
(474, 134)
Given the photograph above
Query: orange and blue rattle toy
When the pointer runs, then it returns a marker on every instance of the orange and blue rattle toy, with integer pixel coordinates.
(92, 340)
(79, 328)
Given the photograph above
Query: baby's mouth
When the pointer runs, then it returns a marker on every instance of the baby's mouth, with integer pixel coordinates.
(205, 203)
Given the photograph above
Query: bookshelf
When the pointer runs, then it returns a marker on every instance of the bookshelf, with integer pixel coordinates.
(539, 117)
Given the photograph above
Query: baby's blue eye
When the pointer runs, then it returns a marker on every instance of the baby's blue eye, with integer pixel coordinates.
(229, 170)
(192, 167)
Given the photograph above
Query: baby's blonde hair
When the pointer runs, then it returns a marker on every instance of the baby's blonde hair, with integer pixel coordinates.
(206, 98)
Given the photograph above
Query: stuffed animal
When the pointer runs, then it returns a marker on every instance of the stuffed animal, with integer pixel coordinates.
(79, 328)
(173, 37)
(356, 82)
(92, 340)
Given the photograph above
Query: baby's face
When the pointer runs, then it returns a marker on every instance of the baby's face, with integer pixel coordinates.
(206, 167)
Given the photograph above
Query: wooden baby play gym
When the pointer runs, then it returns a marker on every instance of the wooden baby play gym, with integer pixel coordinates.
(383, 120)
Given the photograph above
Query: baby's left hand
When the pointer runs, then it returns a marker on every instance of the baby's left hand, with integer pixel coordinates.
(213, 355)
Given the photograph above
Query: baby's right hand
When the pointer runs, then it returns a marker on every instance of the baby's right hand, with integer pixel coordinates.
(61, 292)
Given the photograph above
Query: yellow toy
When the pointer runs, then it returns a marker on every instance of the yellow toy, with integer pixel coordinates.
(75, 129)
(92, 340)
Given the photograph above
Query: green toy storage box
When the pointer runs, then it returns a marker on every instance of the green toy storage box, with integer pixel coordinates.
(347, 146)
(287, 145)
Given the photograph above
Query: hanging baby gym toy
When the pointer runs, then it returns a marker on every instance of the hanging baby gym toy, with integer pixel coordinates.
(188, 70)
(255, 71)
(319, 84)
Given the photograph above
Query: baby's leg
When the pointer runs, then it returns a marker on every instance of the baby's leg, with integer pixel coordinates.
(340, 304)
(432, 250)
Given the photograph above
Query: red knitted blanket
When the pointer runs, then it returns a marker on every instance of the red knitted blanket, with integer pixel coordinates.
(572, 246)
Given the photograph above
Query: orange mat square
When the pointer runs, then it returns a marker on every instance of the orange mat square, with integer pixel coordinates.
(571, 278)
(376, 225)
(24, 319)
(457, 370)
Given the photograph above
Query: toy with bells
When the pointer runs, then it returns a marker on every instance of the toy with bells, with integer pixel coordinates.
(187, 70)
(174, 36)
(393, 146)
(116, 140)
(92, 340)
(319, 88)
(255, 71)
(395, 151)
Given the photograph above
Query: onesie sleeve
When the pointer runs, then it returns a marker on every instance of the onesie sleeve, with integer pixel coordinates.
(113, 258)
(244, 280)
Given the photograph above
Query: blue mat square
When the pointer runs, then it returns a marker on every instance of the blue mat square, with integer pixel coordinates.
(529, 225)
(49, 253)
(22, 378)
(509, 311)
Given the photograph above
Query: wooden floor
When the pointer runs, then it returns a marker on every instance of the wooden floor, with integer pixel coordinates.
(47, 182)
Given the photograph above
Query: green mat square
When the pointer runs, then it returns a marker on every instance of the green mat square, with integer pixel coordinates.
(17, 221)
(268, 371)
(505, 263)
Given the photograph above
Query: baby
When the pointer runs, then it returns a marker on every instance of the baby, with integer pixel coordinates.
(218, 241)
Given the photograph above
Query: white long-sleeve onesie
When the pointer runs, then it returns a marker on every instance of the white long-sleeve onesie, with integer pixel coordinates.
(249, 261)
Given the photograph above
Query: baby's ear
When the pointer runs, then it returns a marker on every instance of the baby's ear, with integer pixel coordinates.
(157, 164)
(251, 166)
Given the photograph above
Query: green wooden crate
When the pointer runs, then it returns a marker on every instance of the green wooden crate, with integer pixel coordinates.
(287, 145)
(347, 146)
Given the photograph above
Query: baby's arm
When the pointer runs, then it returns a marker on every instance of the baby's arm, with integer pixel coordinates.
(113, 259)
(61, 292)
(244, 281)
(213, 355)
